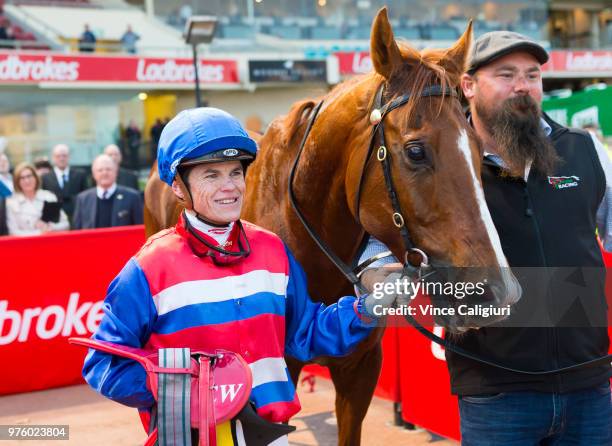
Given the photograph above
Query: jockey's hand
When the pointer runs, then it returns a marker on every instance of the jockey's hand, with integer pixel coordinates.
(393, 291)
(372, 276)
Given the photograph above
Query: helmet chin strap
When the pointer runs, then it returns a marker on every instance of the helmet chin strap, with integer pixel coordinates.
(187, 202)
(244, 250)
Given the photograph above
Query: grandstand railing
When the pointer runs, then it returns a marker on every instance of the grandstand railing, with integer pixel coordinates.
(42, 31)
(23, 45)
(63, 3)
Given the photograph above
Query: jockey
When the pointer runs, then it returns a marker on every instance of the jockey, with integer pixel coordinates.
(216, 282)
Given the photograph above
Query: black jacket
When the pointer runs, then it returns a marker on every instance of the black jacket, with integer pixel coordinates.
(127, 178)
(77, 183)
(545, 227)
(3, 228)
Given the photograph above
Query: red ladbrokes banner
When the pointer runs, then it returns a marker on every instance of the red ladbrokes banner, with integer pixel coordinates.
(52, 287)
(43, 67)
(562, 63)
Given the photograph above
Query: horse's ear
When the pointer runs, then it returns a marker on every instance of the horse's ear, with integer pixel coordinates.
(455, 58)
(385, 53)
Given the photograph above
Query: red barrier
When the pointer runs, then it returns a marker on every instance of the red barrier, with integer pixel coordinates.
(52, 287)
(425, 391)
(388, 386)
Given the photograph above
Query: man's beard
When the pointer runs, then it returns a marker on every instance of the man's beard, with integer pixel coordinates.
(518, 135)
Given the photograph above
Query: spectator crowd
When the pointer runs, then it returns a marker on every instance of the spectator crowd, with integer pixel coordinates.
(127, 42)
(52, 196)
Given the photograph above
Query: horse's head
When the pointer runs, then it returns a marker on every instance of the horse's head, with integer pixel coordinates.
(434, 163)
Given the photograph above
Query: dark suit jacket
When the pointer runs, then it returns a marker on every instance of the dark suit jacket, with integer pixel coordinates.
(127, 178)
(3, 227)
(127, 208)
(77, 183)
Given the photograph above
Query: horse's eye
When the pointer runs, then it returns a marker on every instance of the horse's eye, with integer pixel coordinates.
(416, 153)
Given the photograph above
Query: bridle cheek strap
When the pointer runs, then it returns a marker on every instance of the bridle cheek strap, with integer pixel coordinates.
(383, 155)
(187, 200)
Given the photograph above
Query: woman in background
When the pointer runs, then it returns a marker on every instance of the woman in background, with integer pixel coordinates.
(24, 208)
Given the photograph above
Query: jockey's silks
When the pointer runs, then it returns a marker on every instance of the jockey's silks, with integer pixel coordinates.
(166, 296)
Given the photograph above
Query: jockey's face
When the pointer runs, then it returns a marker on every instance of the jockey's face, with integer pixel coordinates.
(217, 190)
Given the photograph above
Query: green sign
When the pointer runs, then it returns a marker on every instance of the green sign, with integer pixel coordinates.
(582, 108)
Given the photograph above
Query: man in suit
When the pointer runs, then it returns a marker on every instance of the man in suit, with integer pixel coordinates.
(3, 227)
(107, 204)
(125, 177)
(65, 182)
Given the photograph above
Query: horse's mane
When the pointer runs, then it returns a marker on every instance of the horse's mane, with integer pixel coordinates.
(296, 117)
(422, 69)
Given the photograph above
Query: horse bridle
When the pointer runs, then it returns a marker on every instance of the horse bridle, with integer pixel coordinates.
(384, 157)
(377, 117)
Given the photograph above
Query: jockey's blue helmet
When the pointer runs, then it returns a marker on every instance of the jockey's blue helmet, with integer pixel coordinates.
(202, 135)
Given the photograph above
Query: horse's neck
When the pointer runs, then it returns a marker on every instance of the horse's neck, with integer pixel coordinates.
(320, 178)
(319, 186)
(340, 129)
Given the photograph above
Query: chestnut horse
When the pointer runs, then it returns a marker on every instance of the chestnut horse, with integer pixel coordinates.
(435, 162)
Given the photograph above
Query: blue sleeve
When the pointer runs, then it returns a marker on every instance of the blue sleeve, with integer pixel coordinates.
(316, 330)
(129, 315)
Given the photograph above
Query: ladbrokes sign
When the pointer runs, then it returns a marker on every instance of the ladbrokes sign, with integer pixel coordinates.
(46, 323)
(52, 288)
(18, 67)
(13, 68)
(561, 63)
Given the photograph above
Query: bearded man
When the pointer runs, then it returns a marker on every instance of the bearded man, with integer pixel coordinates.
(548, 189)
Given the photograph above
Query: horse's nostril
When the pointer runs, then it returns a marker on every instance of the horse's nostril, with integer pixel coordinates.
(490, 293)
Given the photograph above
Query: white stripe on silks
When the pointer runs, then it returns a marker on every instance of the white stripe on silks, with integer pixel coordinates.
(485, 215)
(219, 290)
(268, 370)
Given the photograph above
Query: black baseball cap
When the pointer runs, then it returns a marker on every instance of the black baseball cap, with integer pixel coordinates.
(496, 44)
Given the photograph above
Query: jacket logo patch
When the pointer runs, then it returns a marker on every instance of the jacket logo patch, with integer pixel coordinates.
(564, 182)
(217, 231)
